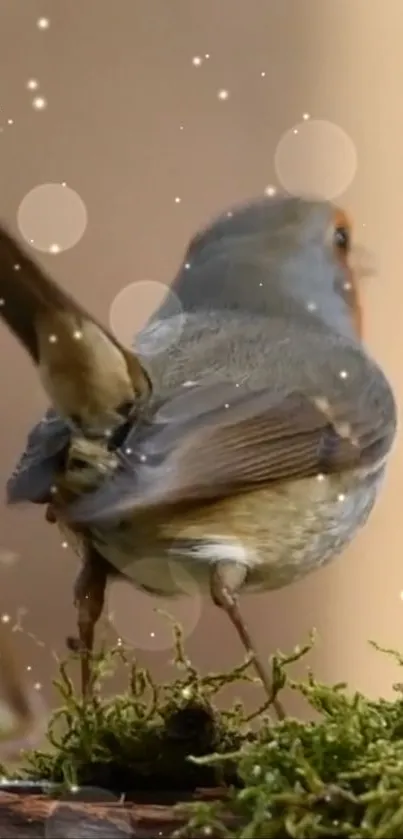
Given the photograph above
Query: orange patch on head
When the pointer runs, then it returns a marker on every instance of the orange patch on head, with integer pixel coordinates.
(343, 254)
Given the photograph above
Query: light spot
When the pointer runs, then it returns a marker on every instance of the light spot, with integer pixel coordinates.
(32, 84)
(39, 103)
(77, 334)
(320, 477)
(52, 217)
(341, 496)
(187, 692)
(311, 306)
(43, 23)
(132, 307)
(197, 61)
(316, 157)
(5, 618)
(53, 339)
(223, 95)
(343, 374)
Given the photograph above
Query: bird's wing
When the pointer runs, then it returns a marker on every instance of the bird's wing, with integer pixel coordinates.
(215, 441)
(36, 470)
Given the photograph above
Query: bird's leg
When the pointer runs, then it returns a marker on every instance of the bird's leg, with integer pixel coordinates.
(89, 596)
(226, 580)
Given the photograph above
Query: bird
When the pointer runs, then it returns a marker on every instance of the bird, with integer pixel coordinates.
(250, 451)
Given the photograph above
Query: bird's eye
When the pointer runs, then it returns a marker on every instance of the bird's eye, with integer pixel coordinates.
(342, 238)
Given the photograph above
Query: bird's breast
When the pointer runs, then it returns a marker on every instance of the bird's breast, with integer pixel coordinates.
(281, 533)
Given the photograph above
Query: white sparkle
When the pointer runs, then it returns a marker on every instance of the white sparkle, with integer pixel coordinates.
(119, 642)
(10, 122)
(32, 84)
(306, 117)
(189, 383)
(38, 686)
(17, 267)
(226, 405)
(39, 103)
(143, 458)
(74, 788)
(270, 191)
(207, 55)
(197, 61)
(401, 595)
(311, 306)
(181, 127)
(152, 634)
(343, 374)
(347, 286)
(295, 131)
(260, 285)
(53, 489)
(54, 248)
(187, 266)
(223, 95)
(178, 200)
(229, 214)
(43, 23)
(187, 692)
(65, 545)
(263, 73)
(5, 618)
(341, 496)
(28, 668)
(320, 477)
(64, 183)
(2, 301)
(129, 451)
(53, 339)
(77, 334)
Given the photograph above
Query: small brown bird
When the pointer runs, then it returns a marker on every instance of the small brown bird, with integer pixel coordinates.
(261, 446)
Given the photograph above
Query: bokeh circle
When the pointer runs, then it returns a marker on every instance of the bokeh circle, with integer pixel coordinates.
(133, 306)
(137, 615)
(52, 218)
(65, 822)
(316, 157)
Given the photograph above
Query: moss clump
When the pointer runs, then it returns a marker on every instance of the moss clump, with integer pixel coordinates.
(340, 776)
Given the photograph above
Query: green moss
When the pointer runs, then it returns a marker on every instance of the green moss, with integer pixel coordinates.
(340, 776)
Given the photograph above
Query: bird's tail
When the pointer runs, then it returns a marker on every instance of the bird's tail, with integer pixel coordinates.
(87, 374)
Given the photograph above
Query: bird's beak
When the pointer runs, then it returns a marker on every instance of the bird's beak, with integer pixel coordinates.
(86, 373)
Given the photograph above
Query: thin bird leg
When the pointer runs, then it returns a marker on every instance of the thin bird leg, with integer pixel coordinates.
(89, 595)
(226, 580)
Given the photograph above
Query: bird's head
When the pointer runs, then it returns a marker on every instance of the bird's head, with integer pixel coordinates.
(278, 255)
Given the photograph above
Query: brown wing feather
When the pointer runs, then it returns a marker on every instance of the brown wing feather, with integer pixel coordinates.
(254, 439)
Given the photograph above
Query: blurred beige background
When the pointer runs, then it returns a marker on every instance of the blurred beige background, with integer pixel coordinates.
(159, 114)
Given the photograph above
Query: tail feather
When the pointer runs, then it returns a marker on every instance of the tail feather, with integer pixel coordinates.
(88, 375)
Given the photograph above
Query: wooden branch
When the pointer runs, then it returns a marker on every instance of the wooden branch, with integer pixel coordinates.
(33, 816)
